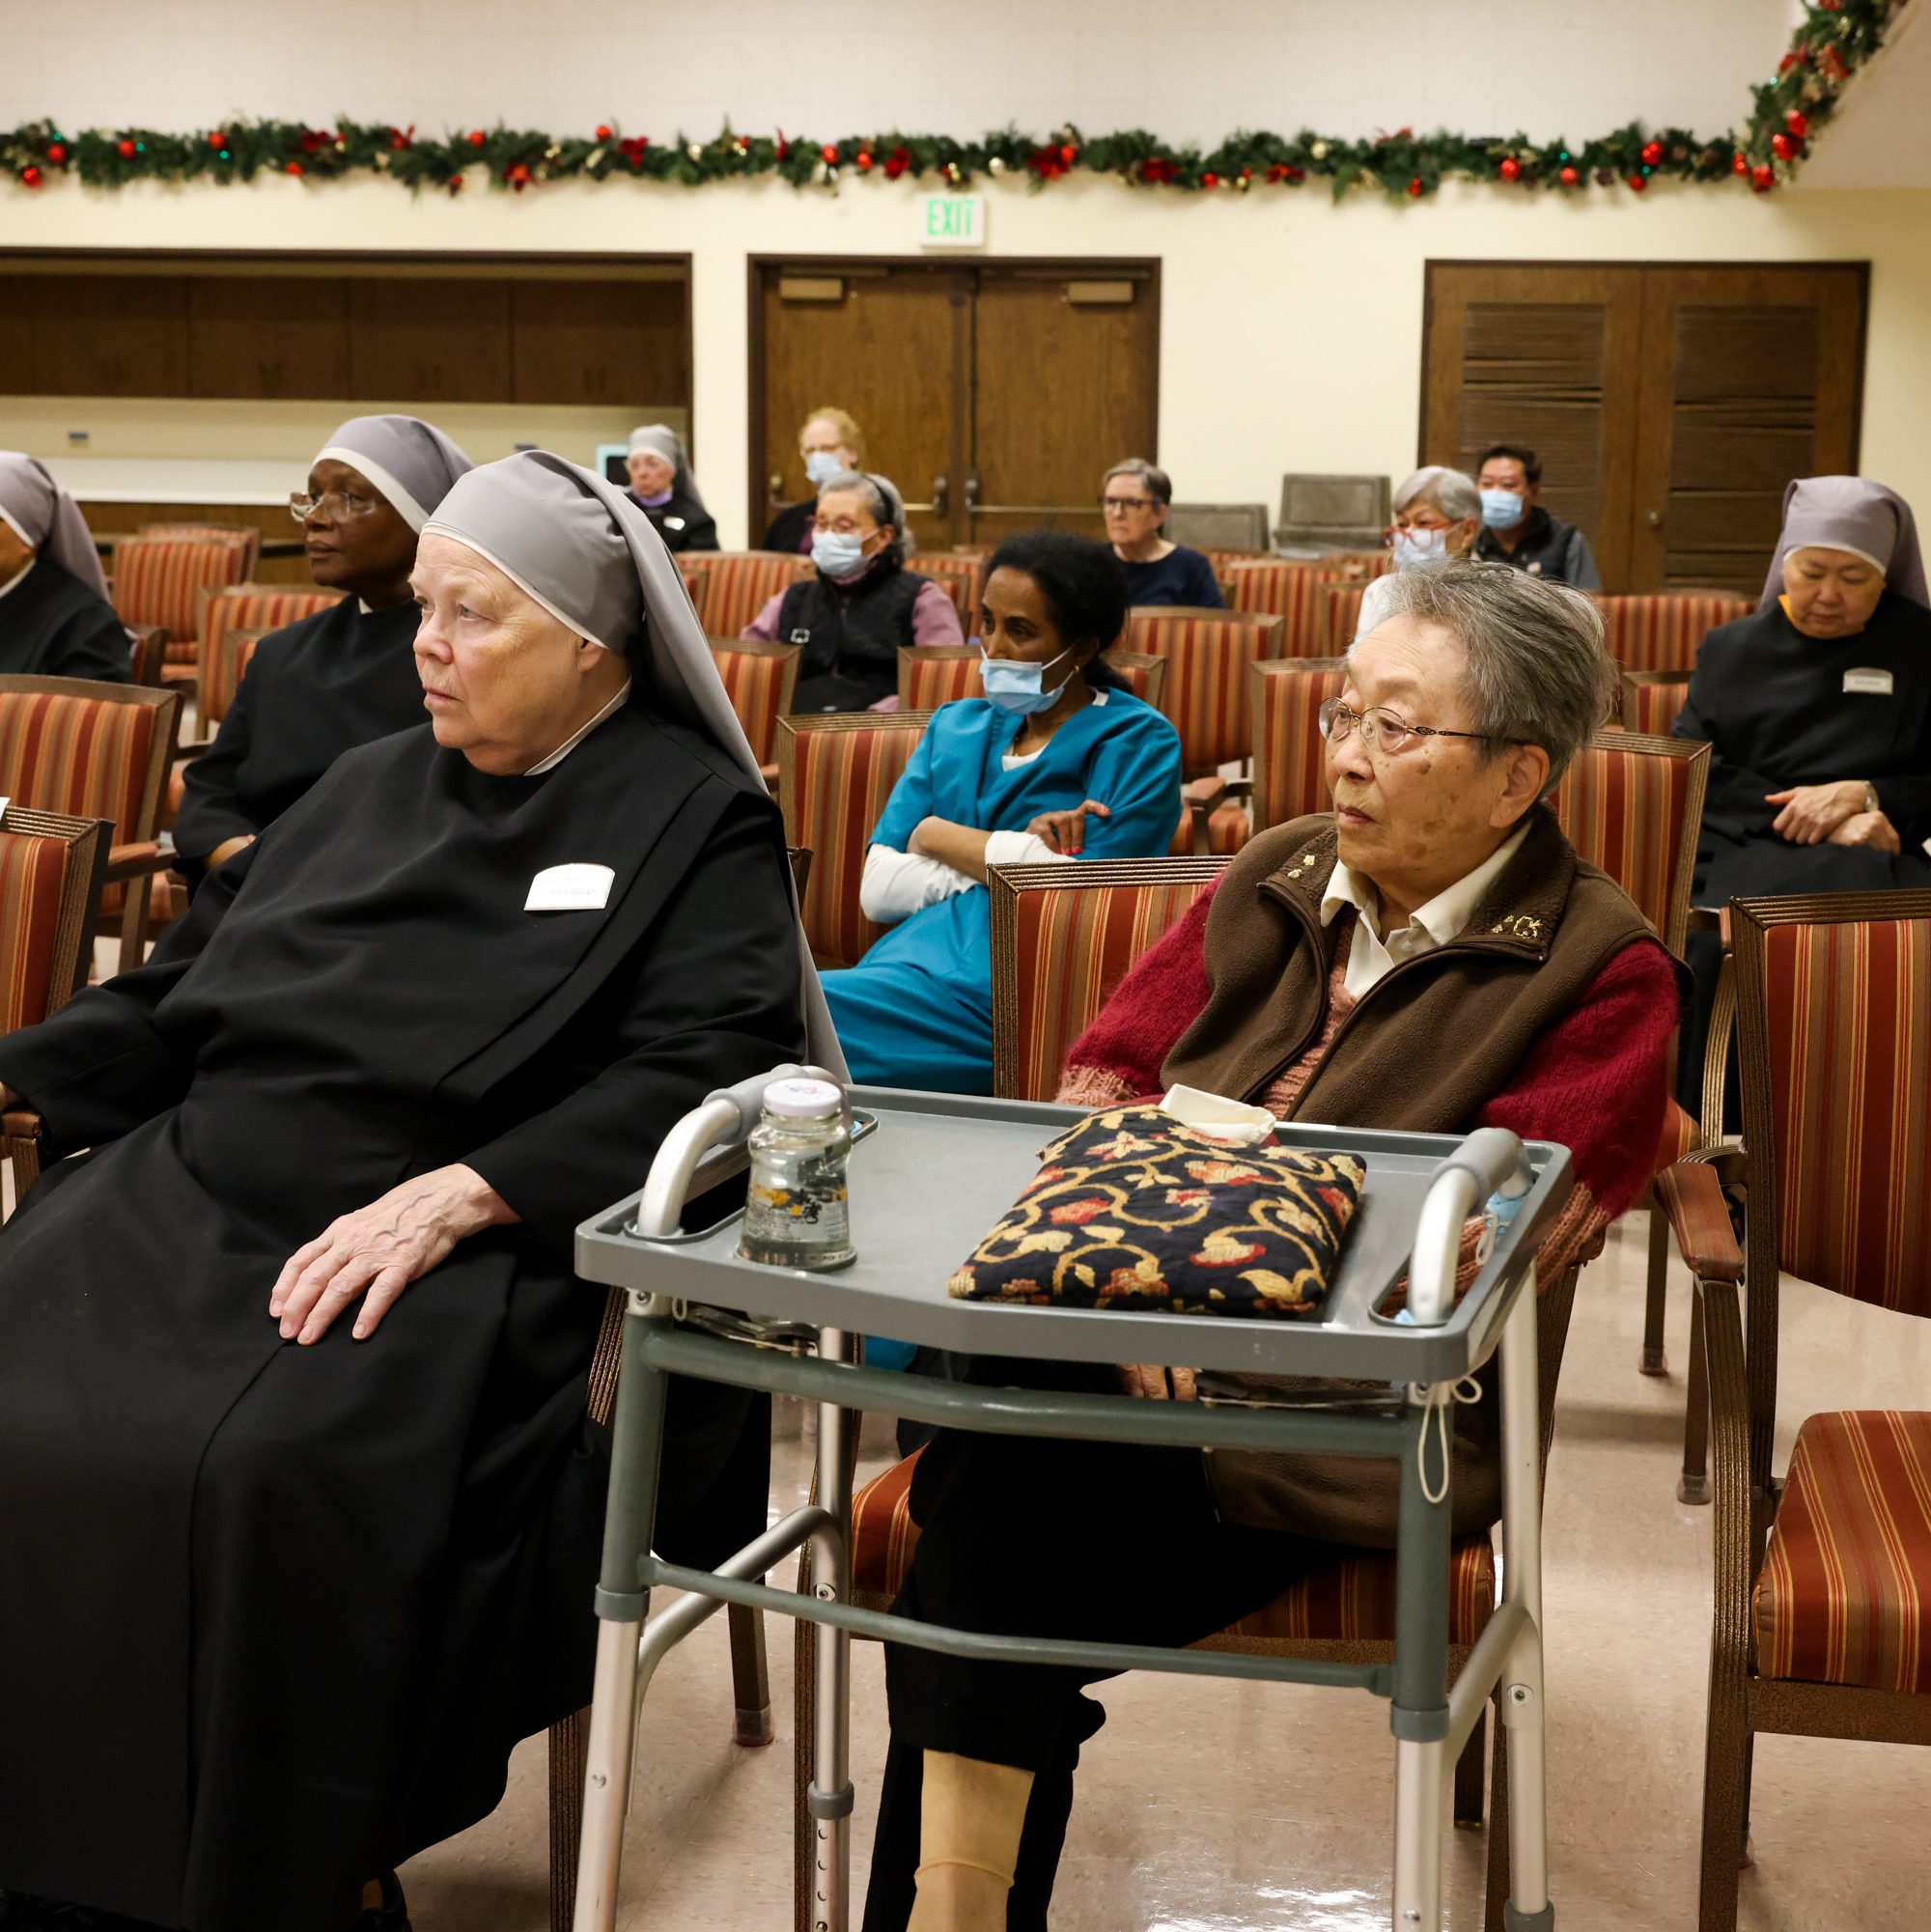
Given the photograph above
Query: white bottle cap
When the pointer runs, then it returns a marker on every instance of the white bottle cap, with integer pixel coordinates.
(802, 1099)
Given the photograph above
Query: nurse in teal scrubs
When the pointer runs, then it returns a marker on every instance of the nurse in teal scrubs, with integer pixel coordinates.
(1057, 762)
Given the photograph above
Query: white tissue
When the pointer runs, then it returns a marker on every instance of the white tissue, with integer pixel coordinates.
(1231, 1122)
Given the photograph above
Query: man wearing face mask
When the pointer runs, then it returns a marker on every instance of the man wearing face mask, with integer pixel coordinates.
(853, 616)
(830, 442)
(1517, 531)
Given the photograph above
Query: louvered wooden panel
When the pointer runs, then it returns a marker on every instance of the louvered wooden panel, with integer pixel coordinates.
(1723, 352)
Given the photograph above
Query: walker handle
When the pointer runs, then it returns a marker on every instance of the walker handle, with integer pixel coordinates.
(1489, 1161)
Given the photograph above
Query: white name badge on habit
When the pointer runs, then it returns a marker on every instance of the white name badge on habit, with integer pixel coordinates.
(1869, 683)
(570, 888)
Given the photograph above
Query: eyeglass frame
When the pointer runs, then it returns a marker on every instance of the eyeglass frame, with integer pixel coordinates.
(1126, 503)
(301, 505)
(1332, 708)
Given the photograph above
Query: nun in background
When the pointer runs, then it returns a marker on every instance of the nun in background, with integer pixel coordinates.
(345, 676)
(55, 618)
(664, 488)
(1818, 710)
(302, 1508)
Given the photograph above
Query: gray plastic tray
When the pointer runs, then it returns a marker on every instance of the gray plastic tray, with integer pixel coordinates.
(940, 1169)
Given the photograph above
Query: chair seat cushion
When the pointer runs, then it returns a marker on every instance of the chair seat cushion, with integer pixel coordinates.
(1352, 1601)
(1845, 1596)
(1680, 1134)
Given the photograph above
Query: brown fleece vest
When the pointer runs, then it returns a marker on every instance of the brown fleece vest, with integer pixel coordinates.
(1427, 1046)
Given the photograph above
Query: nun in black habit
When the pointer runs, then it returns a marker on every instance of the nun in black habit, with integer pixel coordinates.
(345, 676)
(55, 618)
(664, 489)
(1818, 710)
(301, 1507)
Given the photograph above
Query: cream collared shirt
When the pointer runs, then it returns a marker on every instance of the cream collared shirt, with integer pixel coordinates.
(1442, 918)
(577, 737)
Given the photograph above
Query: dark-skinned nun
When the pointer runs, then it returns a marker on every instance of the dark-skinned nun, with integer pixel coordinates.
(301, 1507)
(55, 618)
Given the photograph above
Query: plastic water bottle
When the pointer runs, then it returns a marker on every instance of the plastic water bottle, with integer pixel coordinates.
(798, 1213)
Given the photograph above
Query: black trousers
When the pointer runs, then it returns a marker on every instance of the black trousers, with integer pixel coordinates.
(1045, 1537)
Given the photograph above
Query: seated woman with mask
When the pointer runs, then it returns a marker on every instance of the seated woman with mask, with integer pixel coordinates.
(345, 676)
(303, 1507)
(1437, 515)
(1057, 761)
(55, 618)
(663, 487)
(830, 440)
(1432, 957)
(861, 606)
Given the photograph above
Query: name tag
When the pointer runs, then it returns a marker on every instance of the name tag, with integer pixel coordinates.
(1867, 683)
(570, 888)
(672, 522)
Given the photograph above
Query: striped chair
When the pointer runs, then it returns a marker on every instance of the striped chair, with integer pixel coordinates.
(157, 580)
(245, 607)
(957, 576)
(740, 583)
(1293, 592)
(1661, 632)
(95, 751)
(697, 587)
(206, 533)
(1653, 699)
(835, 774)
(931, 675)
(1823, 1587)
(1208, 652)
(759, 679)
(1340, 612)
(1290, 756)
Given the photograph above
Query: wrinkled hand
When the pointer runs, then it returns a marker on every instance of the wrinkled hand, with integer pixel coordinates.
(1066, 831)
(1151, 1383)
(378, 1251)
(1868, 828)
(1811, 813)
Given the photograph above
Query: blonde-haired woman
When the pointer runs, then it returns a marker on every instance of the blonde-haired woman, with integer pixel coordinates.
(831, 441)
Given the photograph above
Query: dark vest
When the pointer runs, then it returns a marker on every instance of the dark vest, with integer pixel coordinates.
(851, 635)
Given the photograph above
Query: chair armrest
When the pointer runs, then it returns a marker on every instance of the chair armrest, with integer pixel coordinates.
(1691, 1194)
(1712, 919)
(191, 749)
(21, 1123)
(139, 861)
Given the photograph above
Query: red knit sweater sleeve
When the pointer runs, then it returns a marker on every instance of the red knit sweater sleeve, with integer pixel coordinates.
(1120, 1055)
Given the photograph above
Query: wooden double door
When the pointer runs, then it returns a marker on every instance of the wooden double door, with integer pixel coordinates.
(1669, 404)
(994, 395)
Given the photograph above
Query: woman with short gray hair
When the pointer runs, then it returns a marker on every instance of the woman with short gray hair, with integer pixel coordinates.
(1437, 515)
(1133, 500)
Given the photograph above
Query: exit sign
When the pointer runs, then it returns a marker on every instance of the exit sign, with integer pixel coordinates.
(952, 221)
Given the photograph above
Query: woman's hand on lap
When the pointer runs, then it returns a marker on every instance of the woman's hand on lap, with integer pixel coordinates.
(1811, 813)
(1066, 831)
(377, 1253)
(1868, 828)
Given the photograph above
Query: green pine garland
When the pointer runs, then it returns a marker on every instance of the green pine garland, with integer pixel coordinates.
(1835, 38)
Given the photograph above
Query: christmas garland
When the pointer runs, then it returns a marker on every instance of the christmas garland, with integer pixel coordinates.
(1835, 40)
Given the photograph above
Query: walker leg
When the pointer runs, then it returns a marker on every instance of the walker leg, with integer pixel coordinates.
(1421, 1804)
(630, 1520)
(829, 1798)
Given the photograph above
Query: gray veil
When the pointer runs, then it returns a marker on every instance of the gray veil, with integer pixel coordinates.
(1850, 513)
(45, 516)
(409, 460)
(660, 439)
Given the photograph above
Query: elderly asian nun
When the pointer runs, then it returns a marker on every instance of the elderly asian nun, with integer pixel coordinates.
(346, 675)
(302, 1509)
(663, 487)
(55, 618)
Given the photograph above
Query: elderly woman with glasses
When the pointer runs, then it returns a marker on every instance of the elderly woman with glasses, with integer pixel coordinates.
(1134, 497)
(1432, 956)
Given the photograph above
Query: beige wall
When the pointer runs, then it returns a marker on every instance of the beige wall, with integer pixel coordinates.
(1291, 326)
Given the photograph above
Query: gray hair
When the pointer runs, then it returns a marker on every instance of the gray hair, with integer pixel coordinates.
(1441, 488)
(1537, 670)
(1159, 485)
(880, 497)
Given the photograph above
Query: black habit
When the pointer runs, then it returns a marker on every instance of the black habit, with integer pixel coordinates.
(311, 692)
(53, 626)
(682, 524)
(272, 1617)
(791, 527)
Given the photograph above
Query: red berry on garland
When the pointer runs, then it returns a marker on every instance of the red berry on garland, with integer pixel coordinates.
(1069, 153)
(56, 153)
(30, 177)
(125, 150)
(517, 176)
(602, 130)
(1783, 147)
(1568, 177)
(456, 183)
(1210, 181)
(864, 159)
(1652, 154)
(1797, 121)
(294, 167)
(1831, 5)
(1740, 163)
(1763, 177)
(828, 153)
(1510, 169)
(217, 139)
(477, 137)
(1414, 185)
(1638, 182)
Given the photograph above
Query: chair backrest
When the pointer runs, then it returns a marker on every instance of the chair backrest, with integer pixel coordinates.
(1333, 509)
(157, 579)
(740, 583)
(1285, 697)
(1142, 673)
(758, 679)
(1289, 590)
(1652, 700)
(1833, 1011)
(1206, 696)
(89, 750)
(244, 606)
(1063, 937)
(219, 533)
(149, 652)
(1634, 805)
(957, 576)
(51, 866)
(835, 774)
(1221, 527)
(931, 675)
(1661, 632)
(696, 587)
(1340, 612)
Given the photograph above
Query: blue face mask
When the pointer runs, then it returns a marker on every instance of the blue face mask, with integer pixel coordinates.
(838, 555)
(1019, 687)
(820, 465)
(1501, 509)
(1417, 550)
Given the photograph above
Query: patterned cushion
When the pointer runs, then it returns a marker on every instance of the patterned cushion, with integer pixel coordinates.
(245, 607)
(81, 755)
(1290, 758)
(1652, 706)
(758, 679)
(1846, 1579)
(1208, 653)
(1623, 807)
(932, 674)
(1062, 949)
(1848, 1006)
(1228, 829)
(836, 774)
(957, 576)
(1352, 1600)
(740, 583)
(33, 877)
(1661, 633)
(1340, 612)
(1287, 590)
(157, 579)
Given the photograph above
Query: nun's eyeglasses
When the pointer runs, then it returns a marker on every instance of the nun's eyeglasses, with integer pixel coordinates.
(1383, 731)
(332, 503)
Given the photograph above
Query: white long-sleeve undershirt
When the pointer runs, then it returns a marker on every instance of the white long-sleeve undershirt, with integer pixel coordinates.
(896, 884)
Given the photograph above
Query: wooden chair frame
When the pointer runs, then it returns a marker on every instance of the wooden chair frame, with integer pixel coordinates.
(911, 655)
(1734, 1343)
(148, 654)
(136, 860)
(756, 647)
(1634, 681)
(1258, 787)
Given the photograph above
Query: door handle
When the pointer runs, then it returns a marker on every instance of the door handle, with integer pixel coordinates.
(1655, 519)
(972, 489)
(942, 492)
(774, 485)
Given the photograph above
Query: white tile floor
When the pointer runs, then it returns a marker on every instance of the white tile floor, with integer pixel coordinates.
(1210, 1806)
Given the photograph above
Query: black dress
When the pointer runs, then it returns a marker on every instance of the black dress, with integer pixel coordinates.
(339, 678)
(1182, 576)
(272, 1617)
(683, 524)
(791, 528)
(53, 626)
